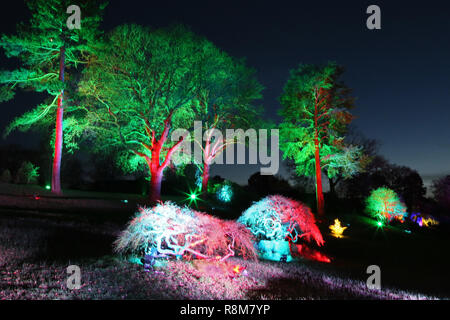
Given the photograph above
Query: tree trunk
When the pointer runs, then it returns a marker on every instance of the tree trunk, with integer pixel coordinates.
(333, 183)
(205, 177)
(154, 163)
(155, 185)
(319, 191)
(56, 170)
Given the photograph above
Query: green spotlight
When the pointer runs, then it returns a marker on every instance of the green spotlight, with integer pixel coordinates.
(379, 223)
(192, 197)
(47, 187)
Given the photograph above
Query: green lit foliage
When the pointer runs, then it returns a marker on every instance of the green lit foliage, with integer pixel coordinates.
(37, 45)
(27, 174)
(384, 205)
(315, 111)
(225, 193)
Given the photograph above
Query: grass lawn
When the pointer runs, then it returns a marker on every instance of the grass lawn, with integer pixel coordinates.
(37, 246)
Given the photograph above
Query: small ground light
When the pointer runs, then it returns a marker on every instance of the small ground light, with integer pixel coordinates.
(193, 197)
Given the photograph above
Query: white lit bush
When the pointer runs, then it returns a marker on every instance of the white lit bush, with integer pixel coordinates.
(182, 232)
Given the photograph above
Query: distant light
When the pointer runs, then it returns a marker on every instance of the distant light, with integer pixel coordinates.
(47, 187)
(408, 231)
(125, 201)
(193, 196)
(379, 223)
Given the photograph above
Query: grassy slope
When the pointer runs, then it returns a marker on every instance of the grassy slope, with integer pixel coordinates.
(36, 248)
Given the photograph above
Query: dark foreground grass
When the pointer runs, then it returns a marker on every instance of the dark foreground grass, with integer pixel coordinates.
(36, 248)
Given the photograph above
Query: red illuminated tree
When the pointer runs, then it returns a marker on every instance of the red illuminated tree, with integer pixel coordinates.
(315, 108)
(46, 48)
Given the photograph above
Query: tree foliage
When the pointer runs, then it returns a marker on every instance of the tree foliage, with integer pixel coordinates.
(302, 122)
(316, 112)
(140, 78)
(37, 46)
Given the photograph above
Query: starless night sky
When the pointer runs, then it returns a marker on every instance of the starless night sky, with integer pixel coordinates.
(399, 74)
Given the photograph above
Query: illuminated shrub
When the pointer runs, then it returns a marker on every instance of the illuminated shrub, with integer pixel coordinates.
(27, 173)
(280, 218)
(182, 232)
(384, 204)
(224, 193)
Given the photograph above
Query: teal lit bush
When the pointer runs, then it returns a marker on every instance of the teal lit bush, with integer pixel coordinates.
(224, 193)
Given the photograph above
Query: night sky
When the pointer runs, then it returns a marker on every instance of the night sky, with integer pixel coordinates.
(399, 74)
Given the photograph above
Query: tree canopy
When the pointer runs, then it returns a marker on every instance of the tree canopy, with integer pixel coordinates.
(316, 112)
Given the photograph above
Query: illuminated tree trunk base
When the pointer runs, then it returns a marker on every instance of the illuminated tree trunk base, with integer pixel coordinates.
(205, 178)
(155, 186)
(319, 191)
(56, 171)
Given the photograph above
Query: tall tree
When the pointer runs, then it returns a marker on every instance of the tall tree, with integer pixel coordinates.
(228, 103)
(46, 47)
(315, 110)
(144, 83)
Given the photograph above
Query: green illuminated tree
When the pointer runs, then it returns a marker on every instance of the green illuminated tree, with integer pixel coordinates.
(384, 204)
(144, 83)
(46, 49)
(226, 104)
(315, 111)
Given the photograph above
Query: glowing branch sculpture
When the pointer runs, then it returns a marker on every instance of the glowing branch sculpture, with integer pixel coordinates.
(182, 232)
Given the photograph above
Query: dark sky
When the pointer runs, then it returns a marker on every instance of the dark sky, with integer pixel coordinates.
(400, 74)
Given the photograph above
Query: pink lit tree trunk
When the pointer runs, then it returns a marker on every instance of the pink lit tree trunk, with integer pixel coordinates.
(154, 161)
(210, 152)
(56, 169)
(319, 190)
